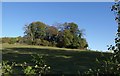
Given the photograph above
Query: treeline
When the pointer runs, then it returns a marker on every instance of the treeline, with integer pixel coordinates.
(65, 35)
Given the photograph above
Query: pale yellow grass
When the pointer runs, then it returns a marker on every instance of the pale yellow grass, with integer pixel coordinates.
(35, 46)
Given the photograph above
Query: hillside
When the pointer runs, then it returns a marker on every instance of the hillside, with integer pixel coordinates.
(61, 60)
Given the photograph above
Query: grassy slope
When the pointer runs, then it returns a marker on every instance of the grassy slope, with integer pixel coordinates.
(67, 61)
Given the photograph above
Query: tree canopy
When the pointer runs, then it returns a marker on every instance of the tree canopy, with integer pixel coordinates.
(61, 35)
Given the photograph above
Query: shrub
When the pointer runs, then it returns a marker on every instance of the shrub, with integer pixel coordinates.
(40, 65)
(38, 68)
(28, 70)
(29, 42)
(45, 43)
(5, 40)
(6, 68)
(37, 42)
(12, 41)
(105, 67)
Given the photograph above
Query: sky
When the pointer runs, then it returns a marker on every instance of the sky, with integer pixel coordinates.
(57, 0)
(95, 17)
(0, 19)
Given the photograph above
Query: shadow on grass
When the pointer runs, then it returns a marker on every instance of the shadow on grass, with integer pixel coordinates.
(61, 61)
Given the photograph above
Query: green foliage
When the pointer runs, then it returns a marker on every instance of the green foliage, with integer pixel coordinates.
(12, 41)
(20, 39)
(104, 67)
(67, 38)
(29, 41)
(38, 41)
(116, 48)
(35, 30)
(64, 35)
(5, 40)
(45, 43)
(51, 33)
(111, 65)
(7, 68)
(72, 36)
(0, 40)
(28, 70)
(69, 35)
(38, 68)
(83, 43)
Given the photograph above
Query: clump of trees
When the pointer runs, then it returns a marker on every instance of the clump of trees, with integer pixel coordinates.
(66, 35)
(61, 35)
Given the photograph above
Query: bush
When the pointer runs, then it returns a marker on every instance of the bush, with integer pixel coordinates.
(105, 67)
(6, 68)
(38, 68)
(12, 41)
(28, 70)
(28, 41)
(37, 42)
(5, 40)
(45, 43)
(40, 64)
(0, 40)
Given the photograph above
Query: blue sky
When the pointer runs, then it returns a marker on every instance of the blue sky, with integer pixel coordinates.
(57, 0)
(95, 17)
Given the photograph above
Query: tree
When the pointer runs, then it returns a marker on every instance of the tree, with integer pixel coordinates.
(35, 30)
(72, 27)
(51, 35)
(40, 30)
(70, 36)
(67, 38)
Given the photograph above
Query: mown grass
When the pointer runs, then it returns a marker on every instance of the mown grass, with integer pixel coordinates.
(61, 60)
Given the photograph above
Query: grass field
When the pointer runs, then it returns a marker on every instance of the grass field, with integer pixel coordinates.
(61, 60)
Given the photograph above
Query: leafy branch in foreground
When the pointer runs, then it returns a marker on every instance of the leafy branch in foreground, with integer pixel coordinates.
(38, 68)
(112, 64)
(107, 66)
(7, 68)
